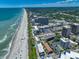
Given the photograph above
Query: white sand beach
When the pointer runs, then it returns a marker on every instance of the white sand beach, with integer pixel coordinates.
(19, 49)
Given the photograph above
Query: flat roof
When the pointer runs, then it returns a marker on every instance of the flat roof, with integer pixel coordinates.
(69, 55)
(67, 26)
(40, 48)
(45, 26)
(50, 57)
(76, 23)
(35, 27)
(64, 39)
(36, 38)
(48, 36)
(42, 17)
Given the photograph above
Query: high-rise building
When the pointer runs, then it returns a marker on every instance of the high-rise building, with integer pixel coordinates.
(75, 28)
(65, 43)
(42, 20)
(66, 31)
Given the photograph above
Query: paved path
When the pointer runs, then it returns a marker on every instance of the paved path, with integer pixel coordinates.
(19, 48)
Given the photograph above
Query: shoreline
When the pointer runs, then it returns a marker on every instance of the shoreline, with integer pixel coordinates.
(14, 43)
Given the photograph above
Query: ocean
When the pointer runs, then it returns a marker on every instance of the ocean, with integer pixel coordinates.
(10, 19)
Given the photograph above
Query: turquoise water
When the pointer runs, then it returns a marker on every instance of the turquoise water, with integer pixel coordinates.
(9, 21)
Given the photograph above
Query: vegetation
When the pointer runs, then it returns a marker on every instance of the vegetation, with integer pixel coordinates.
(31, 43)
(68, 14)
(57, 37)
(74, 38)
(60, 13)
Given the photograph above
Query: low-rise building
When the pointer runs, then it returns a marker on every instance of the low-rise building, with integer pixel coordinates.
(47, 37)
(35, 30)
(40, 49)
(69, 55)
(48, 49)
(49, 57)
(37, 39)
(57, 48)
(59, 28)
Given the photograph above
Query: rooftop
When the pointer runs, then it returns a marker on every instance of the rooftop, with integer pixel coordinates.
(64, 39)
(45, 26)
(67, 26)
(40, 47)
(35, 27)
(68, 55)
(76, 23)
(47, 36)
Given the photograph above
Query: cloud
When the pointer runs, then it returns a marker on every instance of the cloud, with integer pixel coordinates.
(65, 3)
(68, 0)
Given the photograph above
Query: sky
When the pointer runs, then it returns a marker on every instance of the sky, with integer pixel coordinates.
(12, 3)
(38, 3)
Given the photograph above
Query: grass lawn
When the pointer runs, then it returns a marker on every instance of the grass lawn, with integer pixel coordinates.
(31, 42)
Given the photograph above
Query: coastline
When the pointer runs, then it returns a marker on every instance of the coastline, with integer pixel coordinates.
(16, 40)
(12, 41)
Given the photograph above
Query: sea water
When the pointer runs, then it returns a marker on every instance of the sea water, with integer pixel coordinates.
(10, 19)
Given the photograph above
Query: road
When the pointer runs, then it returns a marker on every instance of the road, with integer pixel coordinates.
(19, 48)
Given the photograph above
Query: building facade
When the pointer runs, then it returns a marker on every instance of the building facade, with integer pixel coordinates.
(75, 28)
(66, 31)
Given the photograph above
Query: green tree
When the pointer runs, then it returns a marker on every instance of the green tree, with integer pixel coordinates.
(57, 37)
